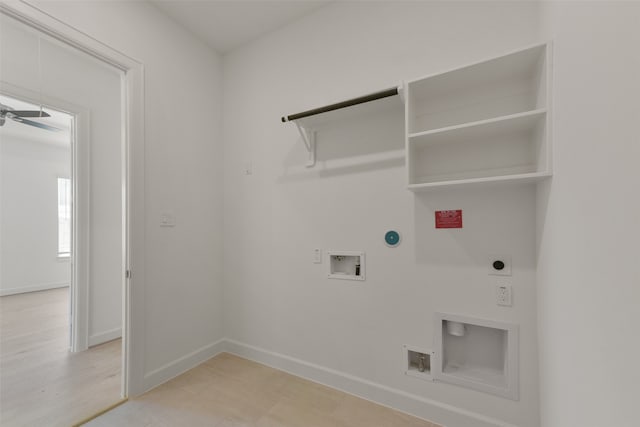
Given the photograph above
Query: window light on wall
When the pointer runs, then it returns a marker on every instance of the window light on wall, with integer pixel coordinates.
(64, 217)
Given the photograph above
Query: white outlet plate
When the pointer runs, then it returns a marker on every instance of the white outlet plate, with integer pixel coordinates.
(504, 295)
(317, 256)
(506, 271)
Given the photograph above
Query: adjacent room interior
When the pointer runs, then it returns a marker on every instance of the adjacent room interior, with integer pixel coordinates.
(61, 222)
(337, 213)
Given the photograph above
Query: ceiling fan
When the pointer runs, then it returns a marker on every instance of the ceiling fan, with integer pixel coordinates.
(7, 112)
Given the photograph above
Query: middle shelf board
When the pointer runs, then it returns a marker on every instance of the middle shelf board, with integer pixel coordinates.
(480, 129)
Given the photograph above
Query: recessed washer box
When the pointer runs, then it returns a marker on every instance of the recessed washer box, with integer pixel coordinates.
(476, 353)
(346, 265)
(417, 362)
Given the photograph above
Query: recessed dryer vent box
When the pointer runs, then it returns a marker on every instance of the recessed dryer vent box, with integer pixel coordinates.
(476, 353)
(347, 265)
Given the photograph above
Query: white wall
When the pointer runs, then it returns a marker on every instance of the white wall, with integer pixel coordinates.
(29, 172)
(81, 82)
(183, 175)
(589, 274)
(276, 299)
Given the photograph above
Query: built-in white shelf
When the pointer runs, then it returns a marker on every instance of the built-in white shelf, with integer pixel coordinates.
(487, 122)
(476, 353)
(482, 123)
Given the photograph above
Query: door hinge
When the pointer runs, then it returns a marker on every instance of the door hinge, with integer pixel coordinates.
(127, 274)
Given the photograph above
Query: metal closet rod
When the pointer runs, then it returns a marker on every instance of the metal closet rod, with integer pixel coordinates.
(344, 104)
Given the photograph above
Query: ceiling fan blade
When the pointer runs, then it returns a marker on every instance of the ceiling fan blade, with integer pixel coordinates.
(36, 124)
(29, 113)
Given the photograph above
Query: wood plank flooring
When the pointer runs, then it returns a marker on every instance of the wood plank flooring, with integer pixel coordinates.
(41, 383)
(228, 391)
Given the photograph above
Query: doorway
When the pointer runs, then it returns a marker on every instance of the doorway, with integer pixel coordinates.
(40, 73)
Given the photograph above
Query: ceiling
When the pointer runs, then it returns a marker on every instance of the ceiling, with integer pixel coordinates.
(225, 25)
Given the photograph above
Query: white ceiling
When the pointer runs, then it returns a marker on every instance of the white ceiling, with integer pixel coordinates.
(225, 25)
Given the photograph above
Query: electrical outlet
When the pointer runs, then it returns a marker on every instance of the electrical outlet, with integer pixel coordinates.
(503, 295)
(317, 256)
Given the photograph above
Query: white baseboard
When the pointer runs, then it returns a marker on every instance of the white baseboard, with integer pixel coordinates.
(103, 337)
(32, 288)
(428, 409)
(179, 366)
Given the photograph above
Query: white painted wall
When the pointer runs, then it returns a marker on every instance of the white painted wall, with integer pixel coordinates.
(589, 274)
(29, 172)
(276, 299)
(183, 175)
(82, 81)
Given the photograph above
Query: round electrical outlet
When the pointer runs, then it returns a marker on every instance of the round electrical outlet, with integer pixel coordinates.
(498, 265)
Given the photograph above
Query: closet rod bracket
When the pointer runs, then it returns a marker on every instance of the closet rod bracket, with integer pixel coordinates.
(309, 139)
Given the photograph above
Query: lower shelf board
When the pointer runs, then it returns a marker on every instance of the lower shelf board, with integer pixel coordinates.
(504, 179)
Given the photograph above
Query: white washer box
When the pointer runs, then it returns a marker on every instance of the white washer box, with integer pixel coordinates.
(476, 353)
(346, 265)
(413, 358)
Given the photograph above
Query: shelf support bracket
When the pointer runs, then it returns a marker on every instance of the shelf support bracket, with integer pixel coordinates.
(309, 139)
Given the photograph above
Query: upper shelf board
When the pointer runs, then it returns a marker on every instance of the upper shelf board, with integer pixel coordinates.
(519, 63)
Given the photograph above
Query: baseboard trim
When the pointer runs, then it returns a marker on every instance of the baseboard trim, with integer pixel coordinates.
(181, 365)
(32, 288)
(428, 409)
(104, 337)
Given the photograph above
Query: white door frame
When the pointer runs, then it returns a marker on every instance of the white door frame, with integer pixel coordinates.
(80, 178)
(133, 177)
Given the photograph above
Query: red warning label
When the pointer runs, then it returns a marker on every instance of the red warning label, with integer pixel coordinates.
(449, 219)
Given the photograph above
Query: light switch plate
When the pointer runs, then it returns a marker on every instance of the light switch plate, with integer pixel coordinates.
(167, 220)
(317, 256)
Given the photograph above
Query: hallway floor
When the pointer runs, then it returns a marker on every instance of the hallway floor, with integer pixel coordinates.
(41, 382)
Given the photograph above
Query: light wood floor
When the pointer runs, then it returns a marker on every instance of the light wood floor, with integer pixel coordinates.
(41, 383)
(228, 391)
